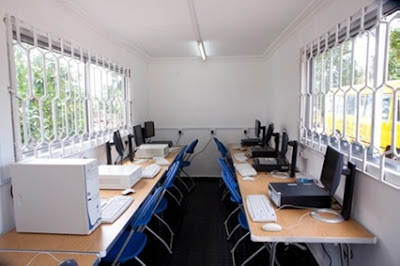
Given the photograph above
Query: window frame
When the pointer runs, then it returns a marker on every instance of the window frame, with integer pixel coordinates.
(119, 111)
(371, 161)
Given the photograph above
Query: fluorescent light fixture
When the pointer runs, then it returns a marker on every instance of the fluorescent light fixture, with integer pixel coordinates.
(202, 52)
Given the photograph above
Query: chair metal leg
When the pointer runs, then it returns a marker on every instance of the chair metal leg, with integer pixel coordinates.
(159, 238)
(169, 228)
(226, 192)
(238, 242)
(191, 179)
(183, 183)
(141, 262)
(253, 255)
(234, 229)
(174, 197)
(179, 192)
(229, 216)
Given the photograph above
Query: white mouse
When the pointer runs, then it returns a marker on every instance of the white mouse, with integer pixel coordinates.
(248, 178)
(127, 191)
(272, 227)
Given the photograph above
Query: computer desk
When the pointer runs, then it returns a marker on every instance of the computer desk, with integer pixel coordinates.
(38, 258)
(100, 240)
(308, 230)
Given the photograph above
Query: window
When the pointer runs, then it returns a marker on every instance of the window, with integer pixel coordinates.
(64, 99)
(351, 90)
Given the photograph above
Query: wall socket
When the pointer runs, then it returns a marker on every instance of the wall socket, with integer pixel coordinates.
(245, 131)
(180, 131)
(212, 131)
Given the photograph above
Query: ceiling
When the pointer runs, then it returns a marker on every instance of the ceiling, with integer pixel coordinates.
(170, 29)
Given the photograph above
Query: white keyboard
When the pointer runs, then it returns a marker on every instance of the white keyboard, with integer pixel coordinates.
(160, 161)
(245, 169)
(241, 157)
(151, 170)
(114, 207)
(260, 208)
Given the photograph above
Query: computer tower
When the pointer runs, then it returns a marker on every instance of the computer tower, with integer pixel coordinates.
(58, 196)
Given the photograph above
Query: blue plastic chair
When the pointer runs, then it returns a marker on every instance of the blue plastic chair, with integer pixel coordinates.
(242, 220)
(163, 204)
(187, 162)
(179, 159)
(131, 243)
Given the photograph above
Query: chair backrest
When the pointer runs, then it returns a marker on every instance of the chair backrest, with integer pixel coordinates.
(229, 182)
(170, 175)
(149, 206)
(191, 147)
(180, 155)
(221, 148)
(226, 168)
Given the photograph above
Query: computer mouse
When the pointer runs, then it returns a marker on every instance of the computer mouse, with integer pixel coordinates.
(69, 262)
(248, 178)
(272, 227)
(127, 191)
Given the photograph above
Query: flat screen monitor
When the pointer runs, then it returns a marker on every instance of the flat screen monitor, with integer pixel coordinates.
(268, 136)
(285, 143)
(257, 128)
(119, 146)
(149, 129)
(138, 135)
(332, 170)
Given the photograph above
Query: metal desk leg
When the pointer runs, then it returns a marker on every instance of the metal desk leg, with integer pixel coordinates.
(272, 253)
(345, 255)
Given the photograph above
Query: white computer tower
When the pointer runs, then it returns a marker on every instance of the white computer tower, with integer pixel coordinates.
(119, 176)
(152, 150)
(59, 196)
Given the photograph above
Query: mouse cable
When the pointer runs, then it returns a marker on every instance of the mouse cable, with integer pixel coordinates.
(40, 253)
(327, 254)
(298, 222)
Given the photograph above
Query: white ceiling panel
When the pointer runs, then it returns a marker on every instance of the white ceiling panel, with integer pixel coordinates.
(165, 29)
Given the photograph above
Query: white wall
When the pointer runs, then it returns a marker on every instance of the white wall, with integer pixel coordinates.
(196, 96)
(49, 16)
(375, 204)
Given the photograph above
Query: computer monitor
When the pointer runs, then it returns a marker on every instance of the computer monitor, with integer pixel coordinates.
(119, 146)
(332, 170)
(149, 129)
(138, 135)
(285, 143)
(268, 136)
(257, 128)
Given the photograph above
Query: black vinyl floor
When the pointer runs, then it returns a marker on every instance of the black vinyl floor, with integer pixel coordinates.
(200, 237)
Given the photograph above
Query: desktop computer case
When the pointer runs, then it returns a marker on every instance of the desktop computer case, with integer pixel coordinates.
(59, 196)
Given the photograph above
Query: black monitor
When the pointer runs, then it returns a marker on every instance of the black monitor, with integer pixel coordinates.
(285, 143)
(119, 146)
(268, 135)
(138, 135)
(257, 128)
(149, 129)
(332, 170)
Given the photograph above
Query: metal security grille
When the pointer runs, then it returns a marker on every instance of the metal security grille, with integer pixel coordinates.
(65, 99)
(351, 91)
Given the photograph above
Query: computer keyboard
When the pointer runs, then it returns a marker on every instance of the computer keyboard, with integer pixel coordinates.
(114, 207)
(151, 170)
(160, 161)
(240, 156)
(245, 169)
(260, 208)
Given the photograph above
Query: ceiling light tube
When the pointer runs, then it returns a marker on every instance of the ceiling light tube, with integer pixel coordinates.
(202, 52)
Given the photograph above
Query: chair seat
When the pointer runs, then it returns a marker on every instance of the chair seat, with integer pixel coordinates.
(132, 249)
(162, 206)
(185, 163)
(243, 220)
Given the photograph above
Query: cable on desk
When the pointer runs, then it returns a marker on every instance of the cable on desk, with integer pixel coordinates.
(177, 141)
(46, 253)
(327, 254)
(297, 224)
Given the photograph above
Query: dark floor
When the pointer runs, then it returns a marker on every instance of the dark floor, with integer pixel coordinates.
(200, 237)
